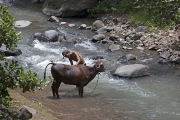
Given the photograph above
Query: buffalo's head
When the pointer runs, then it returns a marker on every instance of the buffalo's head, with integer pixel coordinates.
(99, 66)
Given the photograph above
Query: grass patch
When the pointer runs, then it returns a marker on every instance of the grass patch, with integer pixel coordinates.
(155, 15)
(42, 112)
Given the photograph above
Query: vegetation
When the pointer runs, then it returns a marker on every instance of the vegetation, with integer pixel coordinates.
(12, 75)
(153, 13)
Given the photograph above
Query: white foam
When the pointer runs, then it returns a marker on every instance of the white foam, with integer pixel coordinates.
(10, 57)
(88, 45)
(121, 84)
(44, 47)
(33, 59)
(43, 64)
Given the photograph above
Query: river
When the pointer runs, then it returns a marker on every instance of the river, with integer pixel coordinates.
(154, 97)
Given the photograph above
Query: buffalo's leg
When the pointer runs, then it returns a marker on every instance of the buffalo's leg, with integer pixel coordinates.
(53, 89)
(57, 84)
(81, 91)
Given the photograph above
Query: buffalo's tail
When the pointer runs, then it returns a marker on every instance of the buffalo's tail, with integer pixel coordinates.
(46, 68)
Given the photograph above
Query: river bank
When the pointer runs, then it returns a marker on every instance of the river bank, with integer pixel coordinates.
(42, 112)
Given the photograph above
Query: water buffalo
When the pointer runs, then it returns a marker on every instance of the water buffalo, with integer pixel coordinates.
(79, 75)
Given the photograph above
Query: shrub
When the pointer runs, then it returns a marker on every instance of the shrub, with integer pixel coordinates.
(12, 75)
(153, 13)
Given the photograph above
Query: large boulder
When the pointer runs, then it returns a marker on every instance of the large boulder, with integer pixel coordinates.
(12, 52)
(47, 36)
(26, 113)
(134, 70)
(67, 8)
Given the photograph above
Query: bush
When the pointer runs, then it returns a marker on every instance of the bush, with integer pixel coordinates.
(12, 75)
(102, 7)
(153, 13)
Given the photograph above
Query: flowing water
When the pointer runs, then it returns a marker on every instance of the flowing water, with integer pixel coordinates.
(155, 97)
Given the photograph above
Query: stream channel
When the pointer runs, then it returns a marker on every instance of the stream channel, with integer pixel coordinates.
(154, 97)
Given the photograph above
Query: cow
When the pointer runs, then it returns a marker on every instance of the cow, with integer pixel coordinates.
(79, 75)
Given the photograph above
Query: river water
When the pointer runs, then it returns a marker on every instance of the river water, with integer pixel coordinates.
(155, 97)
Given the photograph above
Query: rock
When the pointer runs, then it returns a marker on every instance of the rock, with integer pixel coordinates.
(142, 29)
(26, 113)
(105, 41)
(124, 47)
(102, 30)
(109, 29)
(97, 24)
(83, 26)
(152, 47)
(165, 54)
(122, 59)
(140, 48)
(89, 27)
(130, 57)
(163, 61)
(136, 36)
(53, 19)
(113, 37)
(63, 23)
(131, 71)
(39, 36)
(71, 25)
(175, 59)
(114, 47)
(68, 8)
(98, 37)
(22, 23)
(51, 35)
(13, 52)
(31, 110)
(47, 36)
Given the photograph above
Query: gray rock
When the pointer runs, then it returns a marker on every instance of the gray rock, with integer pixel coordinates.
(134, 70)
(113, 37)
(12, 52)
(130, 57)
(53, 19)
(83, 26)
(153, 47)
(26, 113)
(142, 29)
(68, 8)
(98, 37)
(136, 36)
(97, 24)
(71, 25)
(39, 36)
(51, 35)
(22, 23)
(114, 47)
(175, 59)
(102, 30)
(165, 54)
